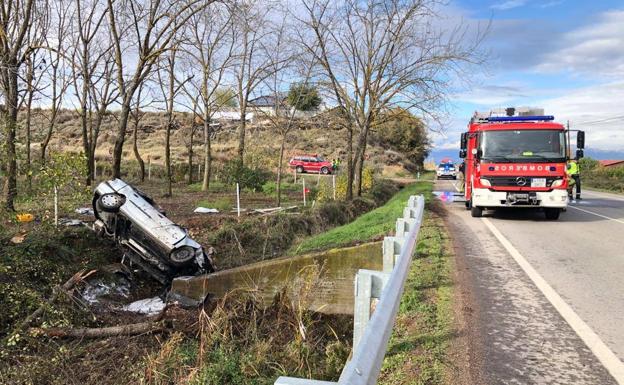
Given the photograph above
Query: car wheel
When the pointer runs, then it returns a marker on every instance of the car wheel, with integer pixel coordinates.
(111, 202)
(476, 211)
(300, 169)
(552, 214)
(182, 255)
(324, 170)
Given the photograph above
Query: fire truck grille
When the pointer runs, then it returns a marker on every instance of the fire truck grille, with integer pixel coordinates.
(512, 181)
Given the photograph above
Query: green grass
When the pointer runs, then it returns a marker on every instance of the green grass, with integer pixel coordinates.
(366, 227)
(417, 352)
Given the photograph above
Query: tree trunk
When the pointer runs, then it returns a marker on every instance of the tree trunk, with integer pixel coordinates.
(94, 140)
(135, 148)
(10, 121)
(207, 155)
(121, 137)
(190, 157)
(350, 168)
(85, 135)
(279, 172)
(361, 153)
(168, 155)
(241, 136)
(53, 113)
(29, 99)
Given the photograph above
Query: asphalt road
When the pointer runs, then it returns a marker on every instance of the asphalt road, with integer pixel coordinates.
(543, 291)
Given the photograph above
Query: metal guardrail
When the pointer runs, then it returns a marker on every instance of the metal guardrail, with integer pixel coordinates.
(371, 334)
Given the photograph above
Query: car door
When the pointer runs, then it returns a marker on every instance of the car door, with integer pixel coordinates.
(315, 165)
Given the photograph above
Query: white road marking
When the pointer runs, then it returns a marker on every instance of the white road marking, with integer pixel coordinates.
(596, 214)
(608, 359)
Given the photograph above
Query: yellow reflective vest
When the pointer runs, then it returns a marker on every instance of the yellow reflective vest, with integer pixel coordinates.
(573, 168)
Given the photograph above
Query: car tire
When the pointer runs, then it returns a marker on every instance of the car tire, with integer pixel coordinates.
(476, 211)
(182, 256)
(300, 169)
(111, 202)
(324, 170)
(552, 214)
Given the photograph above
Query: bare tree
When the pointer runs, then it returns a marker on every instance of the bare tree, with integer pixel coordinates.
(170, 86)
(253, 64)
(56, 47)
(91, 73)
(378, 55)
(32, 82)
(16, 17)
(149, 30)
(287, 64)
(209, 49)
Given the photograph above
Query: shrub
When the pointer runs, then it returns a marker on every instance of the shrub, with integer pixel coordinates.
(235, 171)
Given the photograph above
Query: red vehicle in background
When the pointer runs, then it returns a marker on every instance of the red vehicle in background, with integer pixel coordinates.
(311, 163)
(516, 161)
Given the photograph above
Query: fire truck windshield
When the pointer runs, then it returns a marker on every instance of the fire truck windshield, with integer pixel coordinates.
(523, 146)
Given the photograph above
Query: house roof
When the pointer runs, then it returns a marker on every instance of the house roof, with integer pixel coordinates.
(266, 101)
(608, 163)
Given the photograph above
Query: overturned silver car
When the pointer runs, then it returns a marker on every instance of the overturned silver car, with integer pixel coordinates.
(150, 239)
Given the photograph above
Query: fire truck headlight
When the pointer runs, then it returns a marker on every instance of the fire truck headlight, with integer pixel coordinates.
(557, 183)
(485, 182)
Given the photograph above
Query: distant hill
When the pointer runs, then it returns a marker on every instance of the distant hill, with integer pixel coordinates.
(318, 135)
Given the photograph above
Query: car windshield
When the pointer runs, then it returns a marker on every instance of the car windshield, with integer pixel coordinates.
(523, 145)
(320, 159)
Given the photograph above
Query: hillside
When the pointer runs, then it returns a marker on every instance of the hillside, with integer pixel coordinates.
(315, 135)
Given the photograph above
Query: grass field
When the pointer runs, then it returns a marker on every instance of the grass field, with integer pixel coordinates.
(371, 225)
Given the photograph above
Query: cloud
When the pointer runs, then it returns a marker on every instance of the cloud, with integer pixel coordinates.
(596, 49)
(551, 3)
(518, 44)
(492, 95)
(594, 109)
(509, 4)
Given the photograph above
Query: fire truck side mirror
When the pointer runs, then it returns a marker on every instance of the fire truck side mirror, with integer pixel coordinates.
(462, 153)
(464, 141)
(579, 153)
(580, 140)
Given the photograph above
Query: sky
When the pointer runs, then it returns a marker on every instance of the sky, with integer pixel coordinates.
(566, 56)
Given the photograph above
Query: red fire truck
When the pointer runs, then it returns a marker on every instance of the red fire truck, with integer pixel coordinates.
(516, 161)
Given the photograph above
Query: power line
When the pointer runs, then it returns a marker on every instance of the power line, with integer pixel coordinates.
(613, 118)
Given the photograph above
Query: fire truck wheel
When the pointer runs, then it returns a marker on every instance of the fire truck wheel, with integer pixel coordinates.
(300, 170)
(552, 214)
(476, 211)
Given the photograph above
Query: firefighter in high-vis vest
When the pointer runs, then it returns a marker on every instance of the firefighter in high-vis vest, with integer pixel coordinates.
(573, 171)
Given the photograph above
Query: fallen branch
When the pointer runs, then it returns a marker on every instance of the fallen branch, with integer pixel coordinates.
(111, 331)
(67, 286)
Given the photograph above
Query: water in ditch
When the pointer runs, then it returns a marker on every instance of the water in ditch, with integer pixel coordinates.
(332, 272)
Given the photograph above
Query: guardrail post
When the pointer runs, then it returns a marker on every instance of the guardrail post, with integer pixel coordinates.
(368, 285)
(403, 226)
(391, 250)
